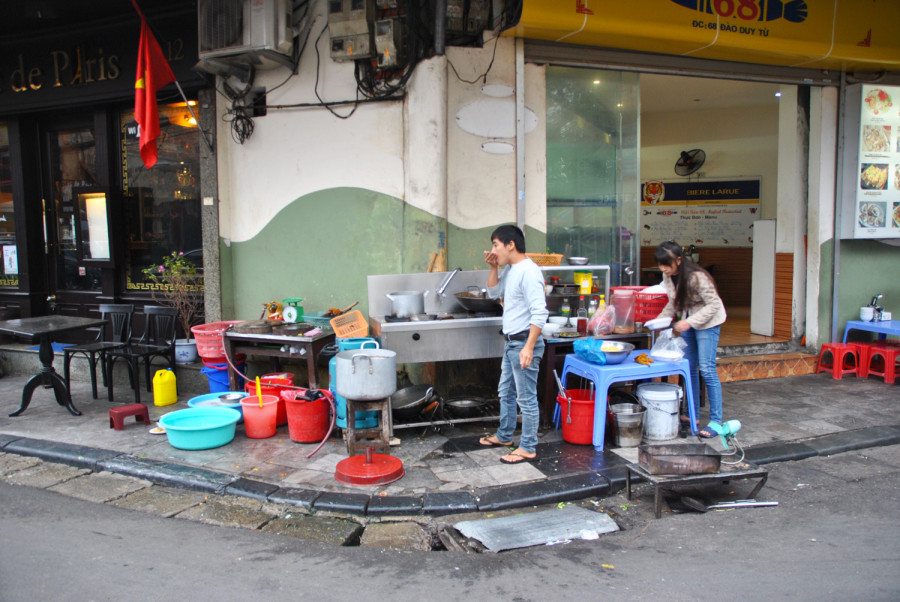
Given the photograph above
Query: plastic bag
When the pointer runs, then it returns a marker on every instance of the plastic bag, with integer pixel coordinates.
(603, 322)
(589, 350)
(668, 347)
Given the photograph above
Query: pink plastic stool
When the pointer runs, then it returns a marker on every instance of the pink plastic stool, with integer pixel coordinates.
(117, 415)
(839, 353)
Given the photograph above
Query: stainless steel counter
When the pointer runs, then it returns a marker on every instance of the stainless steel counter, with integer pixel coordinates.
(459, 337)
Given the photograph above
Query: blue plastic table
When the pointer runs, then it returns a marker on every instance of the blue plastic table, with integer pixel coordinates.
(882, 328)
(604, 376)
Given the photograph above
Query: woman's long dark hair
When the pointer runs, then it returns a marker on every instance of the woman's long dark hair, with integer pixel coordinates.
(668, 254)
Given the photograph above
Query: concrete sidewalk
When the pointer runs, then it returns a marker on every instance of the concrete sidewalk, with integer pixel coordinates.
(447, 471)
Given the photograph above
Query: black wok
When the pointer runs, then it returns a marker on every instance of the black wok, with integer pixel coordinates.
(410, 401)
(477, 302)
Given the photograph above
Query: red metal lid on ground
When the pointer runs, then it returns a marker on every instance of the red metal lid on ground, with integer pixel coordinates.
(369, 469)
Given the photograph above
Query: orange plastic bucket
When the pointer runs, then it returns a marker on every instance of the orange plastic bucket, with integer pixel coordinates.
(581, 430)
(259, 421)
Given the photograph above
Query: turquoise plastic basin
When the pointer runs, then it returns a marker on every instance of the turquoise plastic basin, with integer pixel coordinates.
(212, 400)
(200, 428)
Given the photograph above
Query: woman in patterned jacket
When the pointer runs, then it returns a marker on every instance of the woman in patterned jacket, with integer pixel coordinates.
(694, 299)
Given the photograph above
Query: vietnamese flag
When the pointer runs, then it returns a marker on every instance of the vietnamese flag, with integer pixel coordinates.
(153, 72)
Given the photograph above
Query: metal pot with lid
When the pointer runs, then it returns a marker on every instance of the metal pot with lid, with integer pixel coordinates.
(407, 303)
(366, 374)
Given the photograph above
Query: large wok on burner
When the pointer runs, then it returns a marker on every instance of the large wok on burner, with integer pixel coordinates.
(476, 301)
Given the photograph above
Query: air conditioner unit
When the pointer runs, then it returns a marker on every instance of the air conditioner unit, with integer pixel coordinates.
(241, 32)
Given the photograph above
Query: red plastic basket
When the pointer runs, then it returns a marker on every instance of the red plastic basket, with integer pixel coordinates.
(633, 289)
(209, 339)
(648, 305)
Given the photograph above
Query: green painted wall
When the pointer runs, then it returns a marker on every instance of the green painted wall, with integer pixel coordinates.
(867, 267)
(826, 289)
(466, 247)
(322, 246)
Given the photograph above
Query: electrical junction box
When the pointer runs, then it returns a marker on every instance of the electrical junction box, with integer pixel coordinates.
(390, 43)
(478, 15)
(350, 29)
(456, 14)
(469, 17)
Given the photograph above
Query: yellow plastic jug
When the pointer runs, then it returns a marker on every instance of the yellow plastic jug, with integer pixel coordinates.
(165, 391)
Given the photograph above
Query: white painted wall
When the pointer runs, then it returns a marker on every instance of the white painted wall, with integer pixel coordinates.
(295, 151)
(820, 229)
(738, 142)
(481, 187)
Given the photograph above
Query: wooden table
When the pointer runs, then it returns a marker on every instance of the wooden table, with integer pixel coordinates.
(727, 473)
(882, 328)
(277, 347)
(43, 328)
(555, 352)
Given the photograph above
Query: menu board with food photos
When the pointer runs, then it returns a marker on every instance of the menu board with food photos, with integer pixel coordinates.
(877, 175)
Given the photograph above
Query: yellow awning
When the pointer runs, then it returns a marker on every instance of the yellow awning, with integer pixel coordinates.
(850, 35)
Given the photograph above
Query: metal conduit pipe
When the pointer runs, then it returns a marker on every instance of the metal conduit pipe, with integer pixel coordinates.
(440, 26)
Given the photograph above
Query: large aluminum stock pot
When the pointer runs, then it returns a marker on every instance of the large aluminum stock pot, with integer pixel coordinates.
(366, 374)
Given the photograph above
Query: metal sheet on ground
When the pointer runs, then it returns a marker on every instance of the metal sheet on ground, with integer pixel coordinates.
(537, 528)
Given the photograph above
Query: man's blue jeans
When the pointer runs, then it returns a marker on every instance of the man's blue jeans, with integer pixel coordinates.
(701, 354)
(518, 387)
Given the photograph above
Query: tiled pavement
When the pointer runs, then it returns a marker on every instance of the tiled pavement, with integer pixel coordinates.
(446, 469)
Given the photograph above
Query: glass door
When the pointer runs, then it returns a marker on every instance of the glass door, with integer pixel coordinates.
(592, 167)
(70, 169)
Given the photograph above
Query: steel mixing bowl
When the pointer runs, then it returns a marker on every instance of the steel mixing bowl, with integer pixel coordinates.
(577, 260)
(618, 355)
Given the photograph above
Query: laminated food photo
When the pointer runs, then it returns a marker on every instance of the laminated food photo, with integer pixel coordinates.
(873, 176)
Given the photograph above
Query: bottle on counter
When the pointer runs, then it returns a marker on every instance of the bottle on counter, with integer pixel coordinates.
(565, 309)
(581, 315)
(601, 306)
(592, 306)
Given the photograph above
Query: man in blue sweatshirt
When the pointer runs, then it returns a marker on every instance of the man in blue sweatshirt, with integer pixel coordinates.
(520, 282)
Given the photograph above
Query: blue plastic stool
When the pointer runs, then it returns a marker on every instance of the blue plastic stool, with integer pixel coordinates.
(604, 376)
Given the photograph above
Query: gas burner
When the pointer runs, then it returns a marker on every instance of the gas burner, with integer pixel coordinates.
(396, 319)
(482, 314)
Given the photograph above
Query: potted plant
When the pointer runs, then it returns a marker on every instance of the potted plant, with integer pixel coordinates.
(180, 286)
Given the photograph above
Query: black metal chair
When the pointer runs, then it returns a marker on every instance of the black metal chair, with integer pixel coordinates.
(158, 340)
(114, 337)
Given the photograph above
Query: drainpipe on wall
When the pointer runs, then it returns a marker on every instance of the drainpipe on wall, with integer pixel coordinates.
(838, 204)
(520, 133)
(440, 26)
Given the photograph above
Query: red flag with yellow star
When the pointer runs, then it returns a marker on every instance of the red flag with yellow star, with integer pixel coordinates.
(153, 72)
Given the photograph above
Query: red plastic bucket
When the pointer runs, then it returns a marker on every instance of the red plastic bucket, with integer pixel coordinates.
(273, 384)
(307, 420)
(581, 430)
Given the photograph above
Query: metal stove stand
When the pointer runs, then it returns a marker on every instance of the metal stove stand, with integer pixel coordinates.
(661, 481)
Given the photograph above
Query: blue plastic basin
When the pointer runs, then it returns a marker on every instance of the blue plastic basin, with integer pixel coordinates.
(212, 400)
(200, 428)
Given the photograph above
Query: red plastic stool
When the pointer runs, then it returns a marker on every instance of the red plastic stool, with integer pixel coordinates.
(839, 353)
(117, 415)
(863, 349)
(888, 355)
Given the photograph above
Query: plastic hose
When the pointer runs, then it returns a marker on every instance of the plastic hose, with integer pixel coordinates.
(328, 397)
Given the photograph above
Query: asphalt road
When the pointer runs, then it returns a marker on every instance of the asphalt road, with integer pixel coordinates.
(834, 536)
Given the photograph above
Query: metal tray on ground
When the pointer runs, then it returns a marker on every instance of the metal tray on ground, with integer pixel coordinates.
(679, 458)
